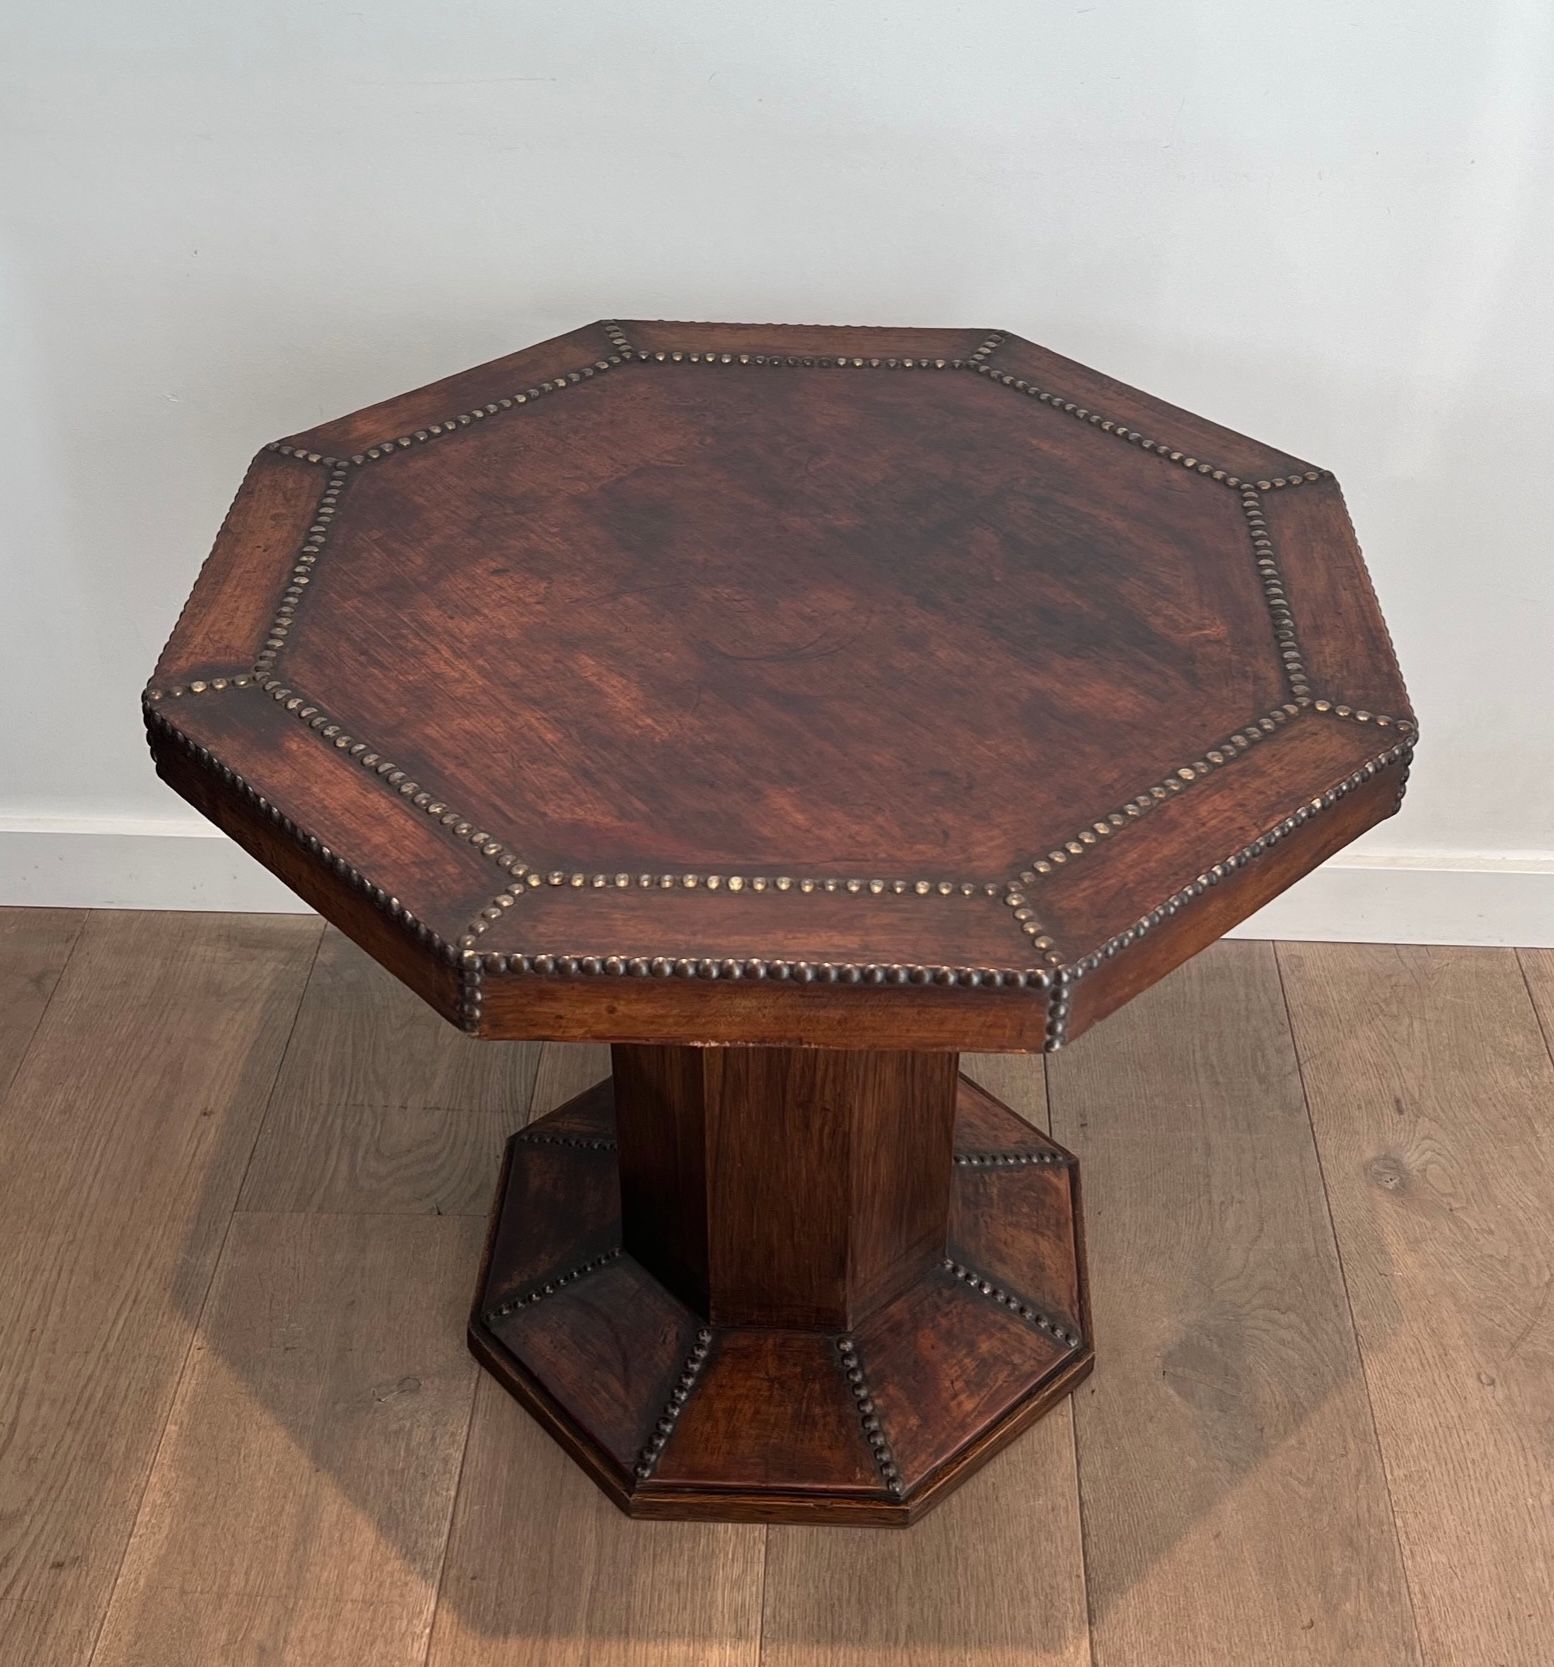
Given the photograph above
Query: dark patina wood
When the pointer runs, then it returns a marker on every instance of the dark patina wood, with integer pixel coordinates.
(875, 692)
(850, 1375)
(784, 1186)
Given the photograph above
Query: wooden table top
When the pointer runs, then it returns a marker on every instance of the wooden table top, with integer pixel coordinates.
(869, 687)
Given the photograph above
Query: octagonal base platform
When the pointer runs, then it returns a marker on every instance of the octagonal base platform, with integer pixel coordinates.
(676, 1417)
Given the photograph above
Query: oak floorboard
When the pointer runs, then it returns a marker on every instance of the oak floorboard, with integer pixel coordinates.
(34, 946)
(382, 1105)
(299, 1505)
(543, 1571)
(123, 1139)
(993, 1576)
(1432, 1091)
(1234, 1502)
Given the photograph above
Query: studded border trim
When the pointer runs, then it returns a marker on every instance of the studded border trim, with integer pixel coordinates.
(1401, 753)
(1109, 425)
(778, 971)
(549, 1287)
(229, 679)
(1039, 1155)
(653, 1448)
(869, 1420)
(463, 828)
(159, 724)
(578, 1142)
(1070, 1339)
(850, 885)
(302, 573)
(451, 425)
(1016, 898)
(1211, 760)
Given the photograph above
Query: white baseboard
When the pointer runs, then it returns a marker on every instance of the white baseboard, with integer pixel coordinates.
(1397, 897)
(1411, 897)
(83, 863)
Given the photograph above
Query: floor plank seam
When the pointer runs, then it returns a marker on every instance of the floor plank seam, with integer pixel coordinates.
(194, 1329)
(447, 1538)
(1354, 1333)
(48, 1001)
(1544, 1030)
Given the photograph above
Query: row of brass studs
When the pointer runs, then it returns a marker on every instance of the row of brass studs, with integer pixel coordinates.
(619, 340)
(793, 361)
(1010, 1160)
(1360, 716)
(765, 882)
(301, 573)
(737, 967)
(490, 914)
(647, 1460)
(1107, 425)
(450, 425)
(315, 847)
(625, 353)
(581, 1142)
(1238, 859)
(1274, 595)
(311, 714)
(470, 995)
(868, 1416)
(200, 686)
(1215, 758)
(473, 971)
(1402, 781)
(1057, 1014)
(556, 1282)
(1016, 900)
(1042, 1322)
(801, 972)
(317, 719)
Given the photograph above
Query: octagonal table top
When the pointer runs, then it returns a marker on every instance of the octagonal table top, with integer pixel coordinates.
(696, 682)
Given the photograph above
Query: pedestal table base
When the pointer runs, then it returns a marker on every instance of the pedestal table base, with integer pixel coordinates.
(674, 1389)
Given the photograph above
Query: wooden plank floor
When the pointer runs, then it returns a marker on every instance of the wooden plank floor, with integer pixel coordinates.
(242, 1180)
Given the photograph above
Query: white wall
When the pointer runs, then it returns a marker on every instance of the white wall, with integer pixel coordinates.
(1331, 226)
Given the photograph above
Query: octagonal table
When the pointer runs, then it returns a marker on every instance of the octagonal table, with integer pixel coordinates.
(790, 707)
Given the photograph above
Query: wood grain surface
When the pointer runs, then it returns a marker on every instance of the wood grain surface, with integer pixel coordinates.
(299, 1503)
(1431, 1091)
(123, 1139)
(890, 672)
(784, 1186)
(34, 946)
(1228, 1466)
(380, 1107)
